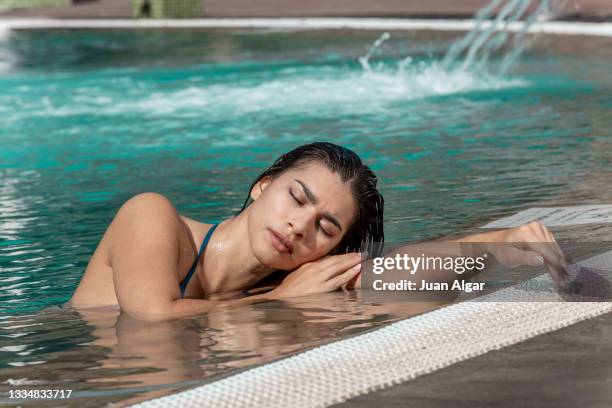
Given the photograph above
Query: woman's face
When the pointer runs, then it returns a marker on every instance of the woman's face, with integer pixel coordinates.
(299, 216)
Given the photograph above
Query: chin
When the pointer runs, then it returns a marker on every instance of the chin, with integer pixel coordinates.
(269, 257)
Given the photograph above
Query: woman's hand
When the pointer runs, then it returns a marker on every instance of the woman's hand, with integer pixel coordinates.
(323, 275)
(530, 244)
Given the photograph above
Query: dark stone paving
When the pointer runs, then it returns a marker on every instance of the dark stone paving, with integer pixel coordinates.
(571, 367)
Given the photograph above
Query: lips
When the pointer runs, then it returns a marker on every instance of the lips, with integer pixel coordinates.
(280, 242)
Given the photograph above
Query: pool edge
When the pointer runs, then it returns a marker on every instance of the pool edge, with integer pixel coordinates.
(603, 29)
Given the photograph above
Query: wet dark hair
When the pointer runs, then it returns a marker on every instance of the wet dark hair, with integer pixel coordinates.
(366, 233)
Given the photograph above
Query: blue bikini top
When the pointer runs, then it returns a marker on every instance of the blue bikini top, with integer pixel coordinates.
(185, 281)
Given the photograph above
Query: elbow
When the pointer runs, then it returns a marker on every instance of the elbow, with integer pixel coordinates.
(154, 313)
(172, 310)
(150, 317)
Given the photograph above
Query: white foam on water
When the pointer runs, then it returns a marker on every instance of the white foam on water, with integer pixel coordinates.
(360, 93)
(326, 91)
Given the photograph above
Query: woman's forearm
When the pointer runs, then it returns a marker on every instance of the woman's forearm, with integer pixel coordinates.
(482, 238)
(193, 307)
(529, 244)
(470, 245)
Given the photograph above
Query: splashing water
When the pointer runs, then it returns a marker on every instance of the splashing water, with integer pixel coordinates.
(490, 35)
(468, 64)
(365, 60)
(6, 56)
(471, 56)
(323, 90)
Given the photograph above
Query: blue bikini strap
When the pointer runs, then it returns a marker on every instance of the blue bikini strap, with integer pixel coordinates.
(185, 281)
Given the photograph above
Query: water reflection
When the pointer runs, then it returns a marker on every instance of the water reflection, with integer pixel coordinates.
(108, 356)
(446, 164)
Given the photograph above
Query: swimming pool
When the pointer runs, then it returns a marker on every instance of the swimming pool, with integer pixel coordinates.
(91, 118)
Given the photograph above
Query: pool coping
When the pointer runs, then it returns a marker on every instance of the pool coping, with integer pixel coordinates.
(545, 27)
(387, 356)
(527, 374)
(335, 372)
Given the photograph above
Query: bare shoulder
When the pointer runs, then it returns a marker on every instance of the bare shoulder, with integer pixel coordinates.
(148, 205)
(144, 241)
(147, 220)
(141, 241)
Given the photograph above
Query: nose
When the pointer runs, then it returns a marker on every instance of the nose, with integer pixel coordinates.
(299, 225)
(297, 228)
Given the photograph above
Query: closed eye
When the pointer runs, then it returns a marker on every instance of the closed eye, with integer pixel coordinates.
(301, 203)
(324, 231)
(295, 198)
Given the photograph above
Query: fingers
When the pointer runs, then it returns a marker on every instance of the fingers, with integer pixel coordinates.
(512, 257)
(343, 278)
(338, 264)
(549, 249)
(558, 277)
(563, 259)
(532, 258)
(557, 248)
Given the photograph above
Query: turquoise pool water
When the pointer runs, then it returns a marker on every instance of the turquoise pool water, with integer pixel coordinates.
(91, 118)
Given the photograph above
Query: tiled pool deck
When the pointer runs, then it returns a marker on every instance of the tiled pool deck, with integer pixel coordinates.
(593, 10)
(570, 367)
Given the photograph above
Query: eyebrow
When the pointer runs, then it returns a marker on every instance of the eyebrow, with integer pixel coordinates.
(313, 199)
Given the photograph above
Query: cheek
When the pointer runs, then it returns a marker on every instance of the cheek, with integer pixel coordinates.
(319, 251)
(264, 207)
(272, 202)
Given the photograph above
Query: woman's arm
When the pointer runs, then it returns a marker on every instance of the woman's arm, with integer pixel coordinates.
(192, 307)
(530, 244)
(320, 276)
(144, 250)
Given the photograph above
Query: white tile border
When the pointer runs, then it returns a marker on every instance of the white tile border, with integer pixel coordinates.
(393, 354)
(554, 27)
(557, 216)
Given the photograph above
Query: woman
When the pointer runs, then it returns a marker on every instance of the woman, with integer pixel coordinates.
(309, 213)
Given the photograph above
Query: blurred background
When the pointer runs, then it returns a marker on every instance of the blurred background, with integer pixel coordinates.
(592, 10)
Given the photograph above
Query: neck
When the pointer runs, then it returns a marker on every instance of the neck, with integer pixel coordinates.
(229, 263)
